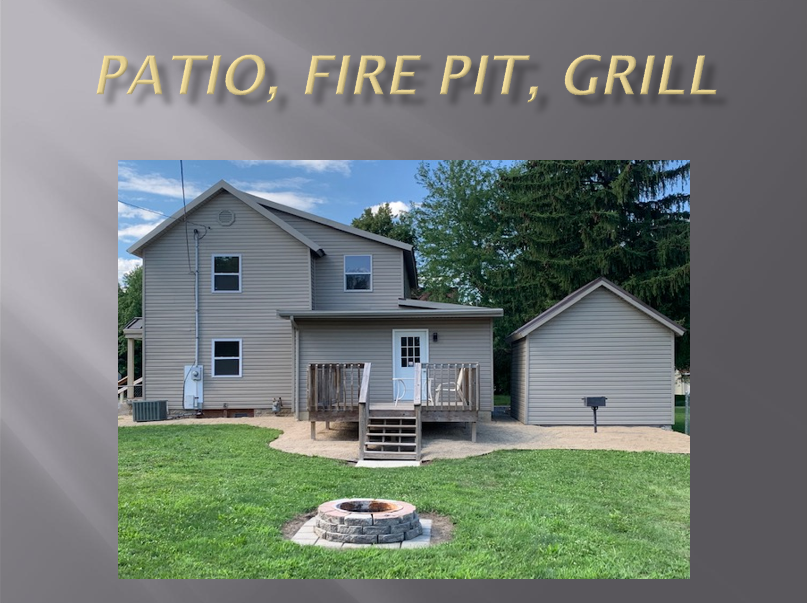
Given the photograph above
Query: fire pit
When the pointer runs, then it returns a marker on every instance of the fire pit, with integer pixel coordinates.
(367, 521)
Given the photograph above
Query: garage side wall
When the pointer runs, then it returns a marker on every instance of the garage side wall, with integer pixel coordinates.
(601, 346)
(519, 377)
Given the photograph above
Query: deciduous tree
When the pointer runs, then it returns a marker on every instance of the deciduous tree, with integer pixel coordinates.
(130, 305)
(381, 221)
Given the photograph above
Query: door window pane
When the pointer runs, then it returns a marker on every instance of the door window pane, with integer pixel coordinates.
(410, 351)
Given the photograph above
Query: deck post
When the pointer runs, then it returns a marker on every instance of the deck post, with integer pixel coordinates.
(417, 391)
(328, 425)
(310, 393)
(313, 430)
(473, 432)
(418, 432)
(362, 428)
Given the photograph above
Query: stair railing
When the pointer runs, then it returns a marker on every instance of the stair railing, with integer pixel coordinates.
(123, 392)
(417, 402)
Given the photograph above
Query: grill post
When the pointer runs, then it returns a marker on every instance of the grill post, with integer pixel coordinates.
(594, 402)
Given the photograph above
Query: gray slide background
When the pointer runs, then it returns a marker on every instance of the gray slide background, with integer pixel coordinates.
(61, 142)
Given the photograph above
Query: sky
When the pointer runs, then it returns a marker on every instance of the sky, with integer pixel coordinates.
(339, 190)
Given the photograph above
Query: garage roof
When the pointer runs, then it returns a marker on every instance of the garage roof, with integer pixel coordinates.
(575, 297)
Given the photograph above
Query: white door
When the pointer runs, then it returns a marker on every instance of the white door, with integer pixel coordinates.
(408, 347)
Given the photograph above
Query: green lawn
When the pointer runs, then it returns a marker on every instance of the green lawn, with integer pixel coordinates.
(679, 418)
(501, 400)
(209, 501)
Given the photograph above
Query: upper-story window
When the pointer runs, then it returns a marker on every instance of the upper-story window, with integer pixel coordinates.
(358, 273)
(227, 273)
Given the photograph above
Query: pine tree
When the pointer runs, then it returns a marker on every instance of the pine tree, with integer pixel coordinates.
(568, 222)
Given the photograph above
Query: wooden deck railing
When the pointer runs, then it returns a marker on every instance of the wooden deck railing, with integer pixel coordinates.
(447, 386)
(125, 394)
(337, 388)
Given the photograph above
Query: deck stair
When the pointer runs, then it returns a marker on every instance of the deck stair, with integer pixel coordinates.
(390, 435)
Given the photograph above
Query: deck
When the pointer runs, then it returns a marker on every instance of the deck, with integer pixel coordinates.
(443, 392)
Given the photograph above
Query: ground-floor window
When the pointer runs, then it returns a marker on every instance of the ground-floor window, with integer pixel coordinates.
(226, 357)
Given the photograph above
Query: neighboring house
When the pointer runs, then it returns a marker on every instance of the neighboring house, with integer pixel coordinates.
(598, 341)
(281, 291)
(681, 383)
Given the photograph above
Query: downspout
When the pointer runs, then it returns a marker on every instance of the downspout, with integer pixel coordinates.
(295, 373)
(196, 299)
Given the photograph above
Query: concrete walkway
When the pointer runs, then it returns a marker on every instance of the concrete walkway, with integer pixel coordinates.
(451, 440)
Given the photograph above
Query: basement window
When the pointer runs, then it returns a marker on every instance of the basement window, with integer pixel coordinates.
(226, 357)
(227, 273)
(358, 273)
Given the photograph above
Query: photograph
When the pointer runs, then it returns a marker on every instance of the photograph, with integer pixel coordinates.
(365, 355)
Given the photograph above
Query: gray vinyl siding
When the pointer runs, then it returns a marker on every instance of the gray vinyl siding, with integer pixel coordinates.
(459, 340)
(519, 380)
(274, 274)
(601, 346)
(329, 275)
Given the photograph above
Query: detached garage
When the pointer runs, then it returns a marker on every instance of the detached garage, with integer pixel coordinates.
(598, 341)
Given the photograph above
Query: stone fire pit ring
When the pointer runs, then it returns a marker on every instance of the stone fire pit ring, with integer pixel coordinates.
(367, 521)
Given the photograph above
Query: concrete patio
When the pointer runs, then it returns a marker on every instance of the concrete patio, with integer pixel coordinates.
(449, 440)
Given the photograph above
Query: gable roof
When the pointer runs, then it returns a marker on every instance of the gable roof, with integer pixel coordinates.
(267, 209)
(206, 196)
(571, 299)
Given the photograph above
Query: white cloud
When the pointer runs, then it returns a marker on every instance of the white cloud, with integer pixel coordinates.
(309, 165)
(396, 207)
(127, 265)
(126, 211)
(129, 179)
(290, 198)
(133, 232)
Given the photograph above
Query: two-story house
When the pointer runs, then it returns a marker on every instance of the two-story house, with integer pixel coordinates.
(250, 306)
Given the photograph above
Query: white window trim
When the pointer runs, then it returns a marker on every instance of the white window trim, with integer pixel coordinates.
(213, 357)
(213, 272)
(345, 273)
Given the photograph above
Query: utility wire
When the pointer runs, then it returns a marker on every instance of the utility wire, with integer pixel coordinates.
(154, 211)
(185, 215)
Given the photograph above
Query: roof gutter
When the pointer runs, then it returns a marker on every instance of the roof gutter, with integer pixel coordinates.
(390, 314)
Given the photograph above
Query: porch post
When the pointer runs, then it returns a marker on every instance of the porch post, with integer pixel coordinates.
(130, 368)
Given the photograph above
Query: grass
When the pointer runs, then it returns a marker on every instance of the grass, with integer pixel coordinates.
(680, 417)
(501, 400)
(204, 501)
